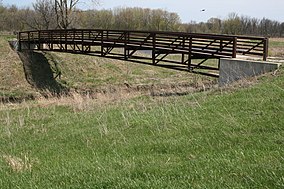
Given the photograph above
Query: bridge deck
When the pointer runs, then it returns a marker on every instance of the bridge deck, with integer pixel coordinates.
(160, 45)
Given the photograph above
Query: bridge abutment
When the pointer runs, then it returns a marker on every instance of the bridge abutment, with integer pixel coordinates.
(233, 69)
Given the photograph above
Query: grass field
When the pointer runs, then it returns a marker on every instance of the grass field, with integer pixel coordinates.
(216, 139)
(219, 138)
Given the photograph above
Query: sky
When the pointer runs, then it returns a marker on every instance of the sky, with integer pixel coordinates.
(190, 10)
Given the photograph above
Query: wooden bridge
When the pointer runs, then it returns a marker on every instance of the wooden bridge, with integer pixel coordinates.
(174, 50)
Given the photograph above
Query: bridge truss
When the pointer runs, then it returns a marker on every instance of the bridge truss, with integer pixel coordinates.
(174, 50)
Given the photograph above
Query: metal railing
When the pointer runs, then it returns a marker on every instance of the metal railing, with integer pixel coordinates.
(161, 44)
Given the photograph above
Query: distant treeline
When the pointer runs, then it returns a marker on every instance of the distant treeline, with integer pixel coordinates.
(241, 25)
(43, 16)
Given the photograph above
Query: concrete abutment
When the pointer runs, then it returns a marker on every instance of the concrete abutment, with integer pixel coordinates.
(233, 69)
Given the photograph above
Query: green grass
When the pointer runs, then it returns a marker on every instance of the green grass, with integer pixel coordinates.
(217, 139)
(276, 42)
(223, 138)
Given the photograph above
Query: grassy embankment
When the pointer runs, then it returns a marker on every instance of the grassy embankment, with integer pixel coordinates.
(83, 74)
(12, 78)
(222, 138)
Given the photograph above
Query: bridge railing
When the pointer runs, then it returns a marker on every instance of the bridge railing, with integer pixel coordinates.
(195, 45)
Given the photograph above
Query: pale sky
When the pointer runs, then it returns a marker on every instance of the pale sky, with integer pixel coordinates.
(190, 10)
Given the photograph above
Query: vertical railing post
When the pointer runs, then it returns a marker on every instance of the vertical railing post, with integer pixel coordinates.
(182, 55)
(74, 38)
(154, 48)
(51, 39)
(19, 41)
(29, 42)
(221, 45)
(126, 38)
(265, 49)
(60, 41)
(234, 53)
(82, 41)
(102, 42)
(66, 32)
(189, 53)
(39, 40)
(89, 38)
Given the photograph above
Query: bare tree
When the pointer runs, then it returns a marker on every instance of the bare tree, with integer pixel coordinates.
(45, 11)
(214, 25)
(40, 17)
(28, 18)
(232, 25)
(65, 11)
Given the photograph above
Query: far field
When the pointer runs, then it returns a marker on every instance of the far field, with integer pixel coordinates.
(125, 125)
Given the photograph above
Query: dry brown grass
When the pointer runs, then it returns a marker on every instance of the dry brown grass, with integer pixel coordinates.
(277, 52)
(278, 39)
(12, 77)
(276, 47)
(18, 164)
(88, 100)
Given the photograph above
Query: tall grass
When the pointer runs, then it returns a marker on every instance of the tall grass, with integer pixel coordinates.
(216, 139)
(162, 137)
